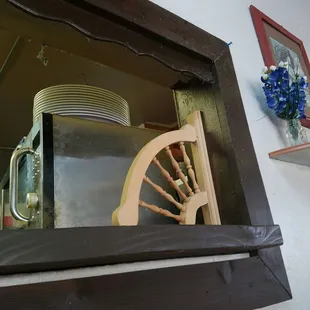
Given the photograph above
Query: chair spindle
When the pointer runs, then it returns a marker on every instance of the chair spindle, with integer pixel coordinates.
(161, 211)
(172, 182)
(189, 167)
(180, 174)
(161, 191)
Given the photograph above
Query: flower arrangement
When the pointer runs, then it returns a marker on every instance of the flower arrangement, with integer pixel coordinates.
(285, 96)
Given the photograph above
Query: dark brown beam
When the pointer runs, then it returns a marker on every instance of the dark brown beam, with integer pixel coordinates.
(235, 285)
(105, 30)
(78, 247)
(158, 21)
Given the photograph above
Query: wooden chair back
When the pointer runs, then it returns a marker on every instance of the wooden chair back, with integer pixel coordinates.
(199, 192)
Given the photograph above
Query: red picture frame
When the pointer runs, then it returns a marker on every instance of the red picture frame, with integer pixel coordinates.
(259, 19)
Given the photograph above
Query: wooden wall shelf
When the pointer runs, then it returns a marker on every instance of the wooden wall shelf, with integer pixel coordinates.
(299, 154)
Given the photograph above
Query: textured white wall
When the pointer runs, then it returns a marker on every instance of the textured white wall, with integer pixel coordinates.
(287, 185)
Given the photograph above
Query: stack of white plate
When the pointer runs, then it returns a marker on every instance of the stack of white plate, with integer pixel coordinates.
(82, 101)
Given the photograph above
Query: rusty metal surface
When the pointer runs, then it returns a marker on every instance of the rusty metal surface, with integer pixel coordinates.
(91, 161)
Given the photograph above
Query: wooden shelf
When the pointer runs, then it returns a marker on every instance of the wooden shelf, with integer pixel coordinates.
(299, 154)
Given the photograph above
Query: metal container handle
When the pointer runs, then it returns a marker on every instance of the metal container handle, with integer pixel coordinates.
(13, 189)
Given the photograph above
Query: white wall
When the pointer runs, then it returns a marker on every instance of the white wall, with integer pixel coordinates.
(286, 184)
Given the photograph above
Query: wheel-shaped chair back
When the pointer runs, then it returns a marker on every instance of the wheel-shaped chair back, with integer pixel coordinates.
(199, 192)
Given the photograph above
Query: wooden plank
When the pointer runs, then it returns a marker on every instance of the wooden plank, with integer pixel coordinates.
(240, 284)
(242, 153)
(104, 29)
(299, 154)
(160, 22)
(203, 170)
(228, 187)
(273, 260)
(77, 247)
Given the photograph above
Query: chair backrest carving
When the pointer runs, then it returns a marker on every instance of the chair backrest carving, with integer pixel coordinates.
(198, 184)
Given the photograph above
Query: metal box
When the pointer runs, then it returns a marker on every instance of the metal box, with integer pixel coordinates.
(78, 171)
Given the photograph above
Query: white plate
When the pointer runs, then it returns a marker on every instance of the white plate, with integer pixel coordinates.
(81, 111)
(64, 103)
(82, 106)
(82, 101)
(91, 113)
(60, 109)
(83, 96)
(90, 92)
(97, 116)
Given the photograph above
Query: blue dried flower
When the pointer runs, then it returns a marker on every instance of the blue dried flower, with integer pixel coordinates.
(287, 98)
